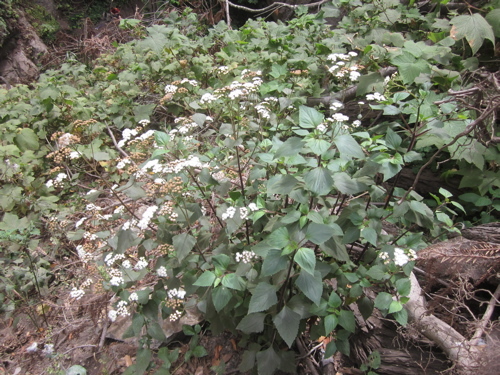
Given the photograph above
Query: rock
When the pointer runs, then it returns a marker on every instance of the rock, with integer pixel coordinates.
(20, 53)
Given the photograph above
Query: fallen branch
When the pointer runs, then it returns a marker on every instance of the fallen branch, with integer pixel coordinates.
(458, 349)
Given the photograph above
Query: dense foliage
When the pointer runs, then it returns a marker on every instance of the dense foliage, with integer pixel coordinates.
(187, 170)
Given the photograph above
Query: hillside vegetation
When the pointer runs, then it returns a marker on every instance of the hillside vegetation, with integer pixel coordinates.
(252, 174)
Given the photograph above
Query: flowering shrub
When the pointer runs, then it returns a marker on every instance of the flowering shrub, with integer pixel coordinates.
(208, 183)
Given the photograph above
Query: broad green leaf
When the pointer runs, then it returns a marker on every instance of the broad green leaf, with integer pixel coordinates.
(347, 320)
(372, 82)
(318, 233)
(279, 238)
(281, 184)
(290, 147)
(331, 322)
(403, 286)
(401, 317)
(318, 146)
(263, 297)
(155, 331)
(334, 300)
(252, 323)
(26, 139)
(383, 301)
(370, 235)
(493, 19)
(392, 139)
(319, 181)
(331, 349)
(207, 278)
(348, 147)
(311, 286)
(142, 360)
(334, 248)
(377, 273)
(395, 307)
(410, 67)
(347, 185)
(309, 117)
(234, 281)
(474, 28)
(220, 297)
(273, 263)
(306, 259)
(365, 306)
(267, 361)
(287, 323)
(183, 244)
(199, 351)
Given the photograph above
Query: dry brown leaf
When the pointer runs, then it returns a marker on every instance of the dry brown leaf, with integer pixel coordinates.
(128, 361)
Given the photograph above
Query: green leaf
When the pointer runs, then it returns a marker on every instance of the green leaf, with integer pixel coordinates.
(318, 233)
(234, 281)
(279, 238)
(311, 286)
(347, 320)
(372, 82)
(183, 244)
(290, 147)
(348, 147)
(207, 278)
(309, 117)
(220, 297)
(383, 301)
(287, 323)
(267, 361)
(365, 306)
(26, 139)
(306, 259)
(376, 273)
(395, 306)
(143, 360)
(318, 146)
(199, 351)
(392, 139)
(156, 332)
(281, 184)
(370, 235)
(474, 28)
(403, 286)
(493, 19)
(410, 67)
(252, 323)
(319, 181)
(401, 317)
(347, 185)
(331, 322)
(263, 297)
(273, 263)
(331, 349)
(334, 300)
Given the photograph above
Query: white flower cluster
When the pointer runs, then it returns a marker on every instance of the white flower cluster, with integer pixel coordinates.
(176, 294)
(321, 128)
(338, 117)
(187, 125)
(76, 293)
(123, 162)
(192, 82)
(401, 257)
(245, 256)
(141, 264)
(116, 277)
(146, 217)
(243, 211)
(65, 140)
(90, 236)
(111, 258)
(58, 181)
(144, 122)
(133, 297)
(175, 166)
(170, 89)
(121, 310)
(84, 255)
(126, 264)
(223, 69)
(229, 214)
(129, 224)
(126, 135)
(207, 98)
(162, 271)
(74, 155)
(375, 96)
(340, 69)
(175, 315)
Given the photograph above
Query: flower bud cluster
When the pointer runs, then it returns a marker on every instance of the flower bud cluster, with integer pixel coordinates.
(245, 256)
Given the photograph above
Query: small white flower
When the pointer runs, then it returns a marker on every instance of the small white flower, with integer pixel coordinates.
(126, 264)
(49, 183)
(235, 94)
(243, 213)
(170, 89)
(253, 207)
(112, 315)
(339, 117)
(229, 214)
(116, 280)
(176, 293)
(76, 293)
(207, 98)
(353, 75)
(74, 155)
(162, 271)
(321, 128)
(141, 264)
(356, 123)
(133, 297)
(245, 256)
(375, 96)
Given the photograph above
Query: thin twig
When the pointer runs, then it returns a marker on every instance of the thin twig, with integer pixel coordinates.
(302, 351)
(486, 317)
